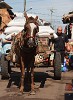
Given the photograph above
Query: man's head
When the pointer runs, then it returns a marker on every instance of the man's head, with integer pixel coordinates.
(59, 30)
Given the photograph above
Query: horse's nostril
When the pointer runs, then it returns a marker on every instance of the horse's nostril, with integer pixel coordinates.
(30, 43)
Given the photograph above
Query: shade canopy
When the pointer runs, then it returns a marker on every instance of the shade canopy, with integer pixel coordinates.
(4, 5)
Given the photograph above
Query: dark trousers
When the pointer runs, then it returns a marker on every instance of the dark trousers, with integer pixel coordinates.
(62, 56)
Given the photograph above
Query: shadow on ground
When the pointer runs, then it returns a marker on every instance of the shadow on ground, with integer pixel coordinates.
(38, 77)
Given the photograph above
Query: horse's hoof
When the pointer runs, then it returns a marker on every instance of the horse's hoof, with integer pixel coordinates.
(19, 94)
(32, 93)
(21, 89)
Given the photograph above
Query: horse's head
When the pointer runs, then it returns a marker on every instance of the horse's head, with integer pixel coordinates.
(30, 30)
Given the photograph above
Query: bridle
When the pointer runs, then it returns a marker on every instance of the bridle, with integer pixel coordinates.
(30, 30)
(28, 34)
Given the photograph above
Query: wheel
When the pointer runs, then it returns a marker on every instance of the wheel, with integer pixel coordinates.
(4, 68)
(57, 66)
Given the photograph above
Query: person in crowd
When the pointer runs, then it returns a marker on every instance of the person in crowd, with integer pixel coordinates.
(67, 30)
(61, 43)
(1, 32)
(6, 44)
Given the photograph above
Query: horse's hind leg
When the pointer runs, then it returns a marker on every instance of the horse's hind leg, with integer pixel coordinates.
(22, 76)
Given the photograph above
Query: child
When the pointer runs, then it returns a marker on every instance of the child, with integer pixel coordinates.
(65, 66)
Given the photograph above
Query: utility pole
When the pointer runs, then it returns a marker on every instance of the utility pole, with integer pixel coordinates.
(24, 6)
(52, 11)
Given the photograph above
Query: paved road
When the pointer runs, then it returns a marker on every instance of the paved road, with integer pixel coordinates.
(50, 89)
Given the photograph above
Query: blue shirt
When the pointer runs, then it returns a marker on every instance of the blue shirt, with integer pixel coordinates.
(5, 46)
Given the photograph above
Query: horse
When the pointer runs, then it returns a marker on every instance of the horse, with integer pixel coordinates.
(25, 47)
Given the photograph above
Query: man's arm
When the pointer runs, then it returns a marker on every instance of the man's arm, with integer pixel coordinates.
(6, 41)
(67, 46)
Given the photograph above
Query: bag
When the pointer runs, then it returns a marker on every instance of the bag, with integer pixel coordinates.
(38, 58)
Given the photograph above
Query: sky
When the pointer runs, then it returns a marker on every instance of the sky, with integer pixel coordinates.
(49, 10)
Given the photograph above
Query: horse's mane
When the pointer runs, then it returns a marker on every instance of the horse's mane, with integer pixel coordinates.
(31, 20)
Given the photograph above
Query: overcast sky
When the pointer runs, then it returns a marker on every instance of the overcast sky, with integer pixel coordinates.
(42, 8)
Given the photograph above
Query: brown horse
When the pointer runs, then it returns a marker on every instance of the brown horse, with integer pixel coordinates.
(25, 47)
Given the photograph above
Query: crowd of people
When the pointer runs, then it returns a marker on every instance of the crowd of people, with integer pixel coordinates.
(62, 45)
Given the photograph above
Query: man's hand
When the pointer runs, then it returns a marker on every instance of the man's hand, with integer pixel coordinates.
(67, 46)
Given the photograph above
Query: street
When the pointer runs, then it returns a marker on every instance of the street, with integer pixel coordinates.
(46, 87)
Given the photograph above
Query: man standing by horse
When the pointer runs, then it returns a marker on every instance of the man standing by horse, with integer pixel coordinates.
(61, 43)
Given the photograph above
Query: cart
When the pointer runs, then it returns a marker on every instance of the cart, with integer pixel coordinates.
(45, 50)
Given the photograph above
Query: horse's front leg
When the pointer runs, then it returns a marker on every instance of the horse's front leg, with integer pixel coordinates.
(22, 75)
(32, 81)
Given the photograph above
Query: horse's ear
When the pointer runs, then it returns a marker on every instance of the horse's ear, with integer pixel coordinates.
(25, 15)
(36, 17)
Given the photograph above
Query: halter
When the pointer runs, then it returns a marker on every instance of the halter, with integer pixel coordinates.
(30, 30)
(32, 27)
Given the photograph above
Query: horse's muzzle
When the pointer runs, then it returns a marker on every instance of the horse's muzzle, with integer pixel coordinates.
(31, 42)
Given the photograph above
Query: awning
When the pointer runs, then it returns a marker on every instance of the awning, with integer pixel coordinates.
(4, 5)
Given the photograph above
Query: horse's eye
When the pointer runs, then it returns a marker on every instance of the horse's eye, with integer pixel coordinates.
(26, 29)
(37, 29)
